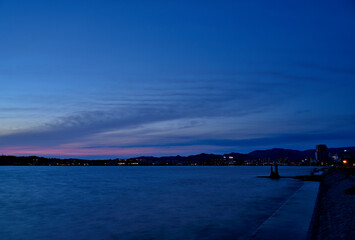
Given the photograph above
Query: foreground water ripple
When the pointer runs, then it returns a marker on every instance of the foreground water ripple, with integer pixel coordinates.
(139, 202)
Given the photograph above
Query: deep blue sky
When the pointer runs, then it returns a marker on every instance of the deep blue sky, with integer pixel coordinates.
(128, 78)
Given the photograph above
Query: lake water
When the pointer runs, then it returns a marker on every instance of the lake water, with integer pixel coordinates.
(139, 202)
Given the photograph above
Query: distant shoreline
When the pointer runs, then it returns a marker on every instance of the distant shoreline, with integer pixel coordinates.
(283, 157)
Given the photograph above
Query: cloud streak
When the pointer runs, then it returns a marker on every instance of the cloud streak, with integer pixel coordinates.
(140, 110)
(131, 115)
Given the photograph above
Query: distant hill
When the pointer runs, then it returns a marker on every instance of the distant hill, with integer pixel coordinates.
(292, 155)
(277, 153)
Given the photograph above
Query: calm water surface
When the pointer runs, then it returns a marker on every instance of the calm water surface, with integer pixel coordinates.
(139, 202)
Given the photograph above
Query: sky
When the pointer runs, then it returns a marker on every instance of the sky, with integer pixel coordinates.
(104, 79)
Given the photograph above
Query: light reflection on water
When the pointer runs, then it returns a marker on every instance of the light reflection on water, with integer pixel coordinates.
(139, 202)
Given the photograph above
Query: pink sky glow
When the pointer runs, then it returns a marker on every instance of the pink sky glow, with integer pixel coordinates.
(119, 152)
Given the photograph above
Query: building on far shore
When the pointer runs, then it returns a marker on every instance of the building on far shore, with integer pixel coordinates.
(322, 156)
(348, 158)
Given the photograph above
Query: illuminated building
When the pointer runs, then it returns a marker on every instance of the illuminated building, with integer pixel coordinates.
(348, 158)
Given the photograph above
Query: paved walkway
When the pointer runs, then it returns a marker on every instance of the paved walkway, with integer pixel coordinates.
(291, 221)
(335, 213)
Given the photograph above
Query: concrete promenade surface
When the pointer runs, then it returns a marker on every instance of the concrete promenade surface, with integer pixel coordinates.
(334, 216)
(291, 221)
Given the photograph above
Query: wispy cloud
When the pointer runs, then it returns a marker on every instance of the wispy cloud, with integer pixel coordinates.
(129, 112)
(130, 116)
(329, 68)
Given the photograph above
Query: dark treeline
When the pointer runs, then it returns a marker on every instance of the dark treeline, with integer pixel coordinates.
(260, 157)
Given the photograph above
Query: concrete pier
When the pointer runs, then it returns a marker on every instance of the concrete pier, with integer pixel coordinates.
(291, 221)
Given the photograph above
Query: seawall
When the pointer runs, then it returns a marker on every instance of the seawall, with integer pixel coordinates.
(291, 221)
(334, 212)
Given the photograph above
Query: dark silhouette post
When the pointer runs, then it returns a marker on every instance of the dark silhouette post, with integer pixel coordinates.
(274, 174)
